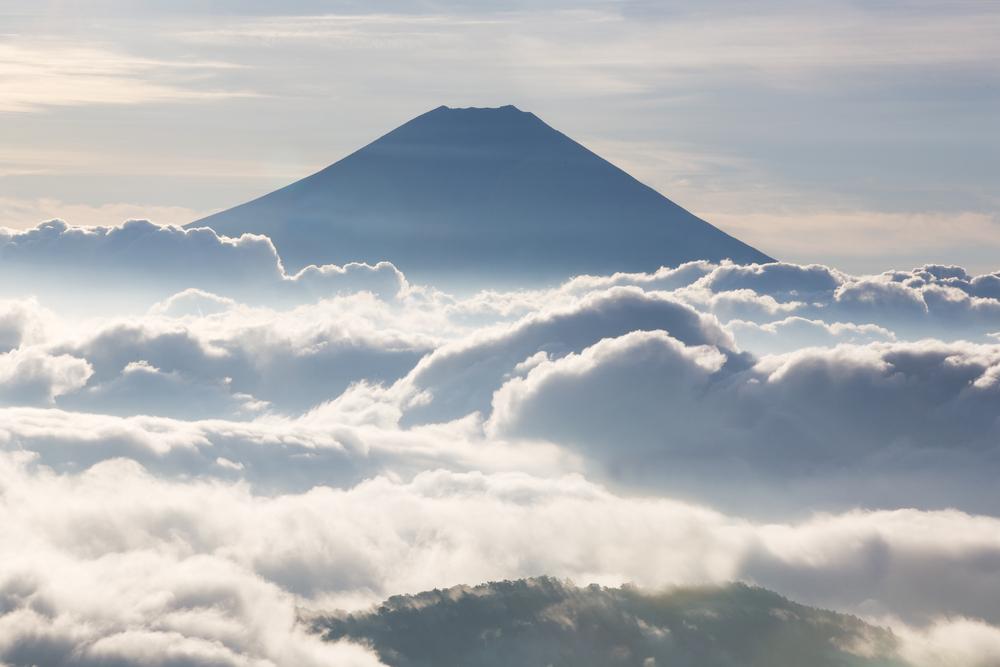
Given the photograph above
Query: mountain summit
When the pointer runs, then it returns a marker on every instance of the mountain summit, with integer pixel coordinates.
(479, 193)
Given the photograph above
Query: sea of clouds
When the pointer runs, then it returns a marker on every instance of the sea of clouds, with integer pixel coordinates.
(198, 449)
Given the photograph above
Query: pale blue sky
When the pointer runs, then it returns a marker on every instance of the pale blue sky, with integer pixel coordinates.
(862, 134)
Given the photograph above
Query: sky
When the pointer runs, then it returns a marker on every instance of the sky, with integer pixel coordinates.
(864, 135)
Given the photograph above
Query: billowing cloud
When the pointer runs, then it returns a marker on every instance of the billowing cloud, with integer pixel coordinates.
(23, 321)
(31, 376)
(938, 301)
(139, 262)
(271, 454)
(931, 301)
(781, 280)
(958, 641)
(798, 332)
(272, 447)
(907, 423)
(213, 567)
(276, 360)
(460, 377)
(199, 355)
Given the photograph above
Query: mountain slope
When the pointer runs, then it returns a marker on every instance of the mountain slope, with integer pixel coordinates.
(538, 622)
(490, 193)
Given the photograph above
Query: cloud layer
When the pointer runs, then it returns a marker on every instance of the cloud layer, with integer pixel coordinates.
(229, 450)
(141, 262)
(218, 570)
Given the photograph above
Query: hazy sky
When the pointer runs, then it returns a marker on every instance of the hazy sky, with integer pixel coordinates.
(861, 134)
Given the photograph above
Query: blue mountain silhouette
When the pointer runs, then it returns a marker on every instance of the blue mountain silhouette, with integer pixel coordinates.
(479, 194)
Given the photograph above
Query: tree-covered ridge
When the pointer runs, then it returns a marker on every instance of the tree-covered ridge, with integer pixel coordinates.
(544, 621)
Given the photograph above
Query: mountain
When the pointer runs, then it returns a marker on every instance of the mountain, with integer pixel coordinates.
(542, 621)
(479, 193)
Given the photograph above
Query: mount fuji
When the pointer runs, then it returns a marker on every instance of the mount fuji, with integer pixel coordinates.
(479, 194)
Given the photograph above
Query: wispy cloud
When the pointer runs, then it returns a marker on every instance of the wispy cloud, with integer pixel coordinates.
(45, 74)
(763, 40)
(787, 48)
(41, 161)
(337, 27)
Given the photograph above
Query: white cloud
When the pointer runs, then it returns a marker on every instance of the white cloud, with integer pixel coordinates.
(460, 377)
(904, 424)
(798, 332)
(961, 642)
(607, 367)
(140, 262)
(68, 599)
(217, 570)
(31, 376)
(800, 424)
(24, 321)
(930, 301)
(327, 451)
(292, 360)
(339, 444)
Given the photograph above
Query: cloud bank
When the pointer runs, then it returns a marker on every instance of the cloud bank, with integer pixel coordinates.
(231, 452)
(140, 262)
(197, 563)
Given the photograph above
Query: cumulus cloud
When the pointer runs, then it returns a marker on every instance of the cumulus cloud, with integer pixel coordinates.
(930, 301)
(787, 282)
(193, 302)
(141, 388)
(638, 386)
(31, 376)
(198, 355)
(680, 410)
(214, 568)
(939, 301)
(279, 361)
(138, 262)
(23, 321)
(881, 424)
(274, 446)
(681, 376)
(664, 279)
(459, 378)
(272, 455)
